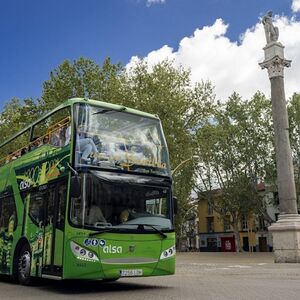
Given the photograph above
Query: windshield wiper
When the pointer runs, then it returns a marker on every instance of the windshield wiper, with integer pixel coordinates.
(101, 231)
(141, 226)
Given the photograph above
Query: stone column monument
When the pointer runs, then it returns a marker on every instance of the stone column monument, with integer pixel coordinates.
(286, 231)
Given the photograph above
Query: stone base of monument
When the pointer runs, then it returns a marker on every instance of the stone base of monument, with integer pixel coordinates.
(286, 238)
(273, 49)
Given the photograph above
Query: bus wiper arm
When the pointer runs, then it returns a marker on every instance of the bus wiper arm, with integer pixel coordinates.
(153, 227)
(101, 231)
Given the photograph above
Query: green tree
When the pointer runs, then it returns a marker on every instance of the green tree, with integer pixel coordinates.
(82, 78)
(236, 151)
(16, 115)
(294, 130)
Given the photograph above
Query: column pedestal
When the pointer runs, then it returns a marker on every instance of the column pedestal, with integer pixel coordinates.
(286, 238)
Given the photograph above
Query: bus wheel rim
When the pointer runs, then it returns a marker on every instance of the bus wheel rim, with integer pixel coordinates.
(24, 265)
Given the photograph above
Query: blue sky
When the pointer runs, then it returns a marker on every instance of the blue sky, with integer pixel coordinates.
(36, 36)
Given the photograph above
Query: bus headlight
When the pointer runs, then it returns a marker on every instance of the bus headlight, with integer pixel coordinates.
(82, 253)
(168, 252)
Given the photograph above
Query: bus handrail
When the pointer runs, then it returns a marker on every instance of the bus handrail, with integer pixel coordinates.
(26, 148)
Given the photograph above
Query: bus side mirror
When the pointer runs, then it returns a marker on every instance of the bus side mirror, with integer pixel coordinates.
(75, 186)
(175, 201)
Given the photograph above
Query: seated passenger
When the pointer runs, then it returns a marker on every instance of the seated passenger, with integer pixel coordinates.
(128, 213)
(94, 215)
(46, 139)
(16, 155)
(67, 135)
(55, 138)
(35, 143)
(24, 150)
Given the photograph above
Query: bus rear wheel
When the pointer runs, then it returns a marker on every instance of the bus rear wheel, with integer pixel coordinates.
(24, 265)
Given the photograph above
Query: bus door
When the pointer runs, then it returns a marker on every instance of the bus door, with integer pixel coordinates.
(54, 229)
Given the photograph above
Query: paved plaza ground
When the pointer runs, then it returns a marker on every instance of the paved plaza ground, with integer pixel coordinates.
(238, 276)
(198, 276)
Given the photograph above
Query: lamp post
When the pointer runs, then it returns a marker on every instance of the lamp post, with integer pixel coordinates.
(182, 163)
(184, 216)
(172, 173)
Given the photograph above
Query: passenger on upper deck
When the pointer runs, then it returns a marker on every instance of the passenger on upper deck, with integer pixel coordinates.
(35, 143)
(87, 147)
(46, 139)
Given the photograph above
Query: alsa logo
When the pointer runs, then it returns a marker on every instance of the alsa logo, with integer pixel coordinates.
(24, 185)
(112, 249)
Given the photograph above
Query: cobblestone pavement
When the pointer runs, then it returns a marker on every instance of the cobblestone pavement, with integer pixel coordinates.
(198, 276)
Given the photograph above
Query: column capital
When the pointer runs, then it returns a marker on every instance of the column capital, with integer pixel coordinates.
(275, 66)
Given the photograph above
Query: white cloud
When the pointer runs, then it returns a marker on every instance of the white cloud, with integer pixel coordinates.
(233, 66)
(150, 2)
(296, 5)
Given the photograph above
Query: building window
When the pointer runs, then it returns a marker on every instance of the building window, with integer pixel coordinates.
(210, 224)
(212, 243)
(244, 223)
(210, 209)
(227, 226)
(261, 223)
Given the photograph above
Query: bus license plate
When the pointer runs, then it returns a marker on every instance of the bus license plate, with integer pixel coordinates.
(131, 272)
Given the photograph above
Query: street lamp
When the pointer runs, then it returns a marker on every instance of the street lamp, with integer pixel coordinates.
(183, 162)
(172, 173)
(183, 219)
(184, 216)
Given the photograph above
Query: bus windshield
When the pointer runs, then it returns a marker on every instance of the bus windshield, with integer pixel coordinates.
(113, 139)
(119, 204)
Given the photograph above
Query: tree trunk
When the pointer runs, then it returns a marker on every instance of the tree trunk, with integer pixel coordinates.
(237, 237)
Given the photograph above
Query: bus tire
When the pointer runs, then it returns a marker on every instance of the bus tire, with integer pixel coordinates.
(24, 265)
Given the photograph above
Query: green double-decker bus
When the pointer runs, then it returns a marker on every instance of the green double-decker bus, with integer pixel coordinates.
(85, 193)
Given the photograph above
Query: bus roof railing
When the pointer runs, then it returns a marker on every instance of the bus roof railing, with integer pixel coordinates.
(62, 123)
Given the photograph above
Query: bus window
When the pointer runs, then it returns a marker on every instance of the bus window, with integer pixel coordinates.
(62, 196)
(111, 204)
(57, 196)
(77, 211)
(50, 206)
(7, 212)
(36, 207)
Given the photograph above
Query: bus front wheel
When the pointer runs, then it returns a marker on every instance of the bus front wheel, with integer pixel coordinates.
(24, 265)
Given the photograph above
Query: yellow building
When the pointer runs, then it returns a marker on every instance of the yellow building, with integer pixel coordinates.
(215, 234)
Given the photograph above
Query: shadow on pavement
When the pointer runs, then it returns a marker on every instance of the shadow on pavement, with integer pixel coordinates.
(83, 286)
(86, 287)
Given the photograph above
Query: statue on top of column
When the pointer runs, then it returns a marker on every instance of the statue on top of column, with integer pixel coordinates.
(271, 31)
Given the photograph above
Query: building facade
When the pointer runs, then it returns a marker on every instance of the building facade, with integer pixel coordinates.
(216, 234)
